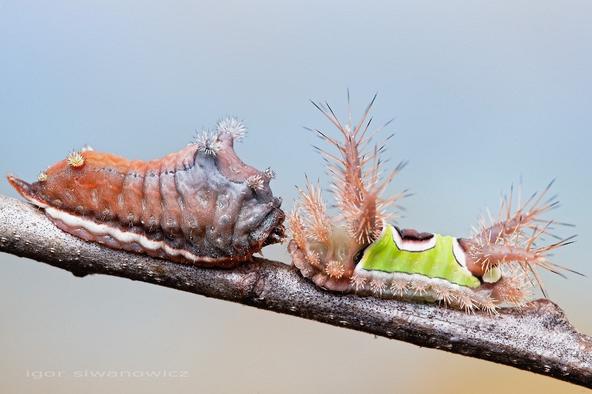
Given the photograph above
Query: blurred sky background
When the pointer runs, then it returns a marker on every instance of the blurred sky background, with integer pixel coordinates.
(482, 93)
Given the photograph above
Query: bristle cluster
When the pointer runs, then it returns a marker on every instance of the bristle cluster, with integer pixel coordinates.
(335, 269)
(317, 225)
(232, 126)
(42, 177)
(208, 143)
(330, 242)
(356, 171)
(518, 238)
(256, 182)
(514, 288)
(75, 159)
(269, 173)
(260, 180)
(311, 260)
(526, 216)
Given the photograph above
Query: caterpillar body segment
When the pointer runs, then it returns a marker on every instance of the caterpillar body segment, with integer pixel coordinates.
(357, 250)
(198, 205)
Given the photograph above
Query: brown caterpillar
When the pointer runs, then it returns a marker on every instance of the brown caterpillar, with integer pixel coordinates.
(201, 205)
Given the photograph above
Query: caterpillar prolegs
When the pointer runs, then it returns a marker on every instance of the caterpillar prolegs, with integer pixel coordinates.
(201, 205)
(358, 251)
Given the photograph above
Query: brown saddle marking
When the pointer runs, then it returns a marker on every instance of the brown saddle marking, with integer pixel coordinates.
(409, 234)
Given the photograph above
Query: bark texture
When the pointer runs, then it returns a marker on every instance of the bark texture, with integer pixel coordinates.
(537, 338)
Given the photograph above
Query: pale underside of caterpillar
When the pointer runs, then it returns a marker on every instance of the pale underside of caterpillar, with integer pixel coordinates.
(201, 205)
(357, 251)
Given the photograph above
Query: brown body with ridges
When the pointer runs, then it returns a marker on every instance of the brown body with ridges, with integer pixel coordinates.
(197, 202)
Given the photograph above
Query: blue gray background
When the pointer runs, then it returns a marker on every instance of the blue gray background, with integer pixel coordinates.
(482, 93)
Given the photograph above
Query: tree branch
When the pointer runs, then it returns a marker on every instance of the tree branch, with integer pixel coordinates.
(537, 338)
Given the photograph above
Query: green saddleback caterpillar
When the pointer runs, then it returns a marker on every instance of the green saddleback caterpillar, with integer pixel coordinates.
(359, 250)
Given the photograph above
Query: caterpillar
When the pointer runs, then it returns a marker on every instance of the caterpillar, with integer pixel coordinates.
(201, 205)
(359, 251)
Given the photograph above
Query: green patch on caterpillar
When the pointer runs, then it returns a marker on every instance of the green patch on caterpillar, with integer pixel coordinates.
(436, 260)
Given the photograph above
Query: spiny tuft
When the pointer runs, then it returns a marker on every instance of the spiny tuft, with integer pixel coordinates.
(269, 173)
(208, 143)
(232, 126)
(256, 182)
(358, 282)
(335, 269)
(75, 159)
